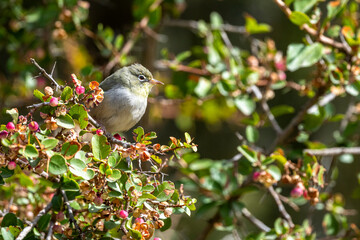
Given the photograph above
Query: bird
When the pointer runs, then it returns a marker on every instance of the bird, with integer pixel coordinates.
(125, 98)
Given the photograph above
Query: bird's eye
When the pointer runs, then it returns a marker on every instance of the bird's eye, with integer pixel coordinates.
(142, 77)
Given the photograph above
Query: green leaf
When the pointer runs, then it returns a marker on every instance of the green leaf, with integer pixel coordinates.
(9, 219)
(248, 153)
(14, 113)
(57, 165)
(79, 112)
(49, 143)
(299, 18)
(139, 131)
(65, 121)
(182, 56)
(304, 5)
(66, 93)
(31, 151)
(253, 27)
(6, 234)
(252, 134)
(300, 56)
(245, 104)
(346, 158)
(164, 191)
(330, 224)
(100, 147)
(69, 149)
(274, 172)
(216, 20)
(281, 110)
(136, 235)
(201, 164)
(57, 202)
(44, 222)
(39, 95)
(203, 87)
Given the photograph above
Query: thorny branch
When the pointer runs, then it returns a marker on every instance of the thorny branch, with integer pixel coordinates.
(259, 224)
(28, 229)
(45, 74)
(70, 211)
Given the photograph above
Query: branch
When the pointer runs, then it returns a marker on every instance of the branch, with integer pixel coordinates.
(50, 232)
(281, 207)
(70, 211)
(259, 224)
(191, 24)
(266, 109)
(313, 32)
(295, 121)
(333, 151)
(28, 229)
(42, 174)
(45, 74)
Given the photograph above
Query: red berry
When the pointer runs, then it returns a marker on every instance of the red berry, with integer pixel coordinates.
(3, 134)
(11, 165)
(117, 136)
(58, 228)
(123, 214)
(60, 216)
(54, 102)
(10, 126)
(99, 132)
(79, 90)
(33, 126)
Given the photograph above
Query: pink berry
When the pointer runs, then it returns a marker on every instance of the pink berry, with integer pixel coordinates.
(10, 126)
(297, 192)
(60, 216)
(123, 214)
(98, 201)
(139, 220)
(256, 176)
(33, 126)
(280, 65)
(117, 136)
(11, 165)
(157, 238)
(99, 132)
(54, 102)
(79, 90)
(3, 134)
(282, 76)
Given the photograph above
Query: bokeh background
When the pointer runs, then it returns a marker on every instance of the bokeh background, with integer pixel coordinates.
(26, 30)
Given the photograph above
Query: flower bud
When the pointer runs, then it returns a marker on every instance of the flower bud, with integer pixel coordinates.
(10, 126)
(256, 176)
(54, 102)
(3, 134)
(297, 192)
(139, 220)
(33, 126)
(11, 165)
(58, 229)
(60, 216)
(48, 91)
(123, 214)
(79, 90)
(99, 132)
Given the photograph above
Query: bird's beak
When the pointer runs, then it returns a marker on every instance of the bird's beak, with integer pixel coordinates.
(155, 82)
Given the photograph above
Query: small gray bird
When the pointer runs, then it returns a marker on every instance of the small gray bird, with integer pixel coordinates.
(125, 98)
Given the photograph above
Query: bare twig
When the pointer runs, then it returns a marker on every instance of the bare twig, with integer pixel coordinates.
(259, 224)
(313, 32)
(281, 207)
(28, 229)
(70, 211)
(266, 109)
(191, 24)
(42, 174)
(50, 232)
(333, 151)
(38, 105)
(349, 112)
(45, 74)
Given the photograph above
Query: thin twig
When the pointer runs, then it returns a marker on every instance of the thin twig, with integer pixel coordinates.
(38, 105)
(349, 112)
(46, 75)
(28, 229)
(333, 151)
(266, 109)
(70, 211)
(50, 232)
(42, 174)
(281, 207)
(191, 24)
(259, 224)
(313, 32)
